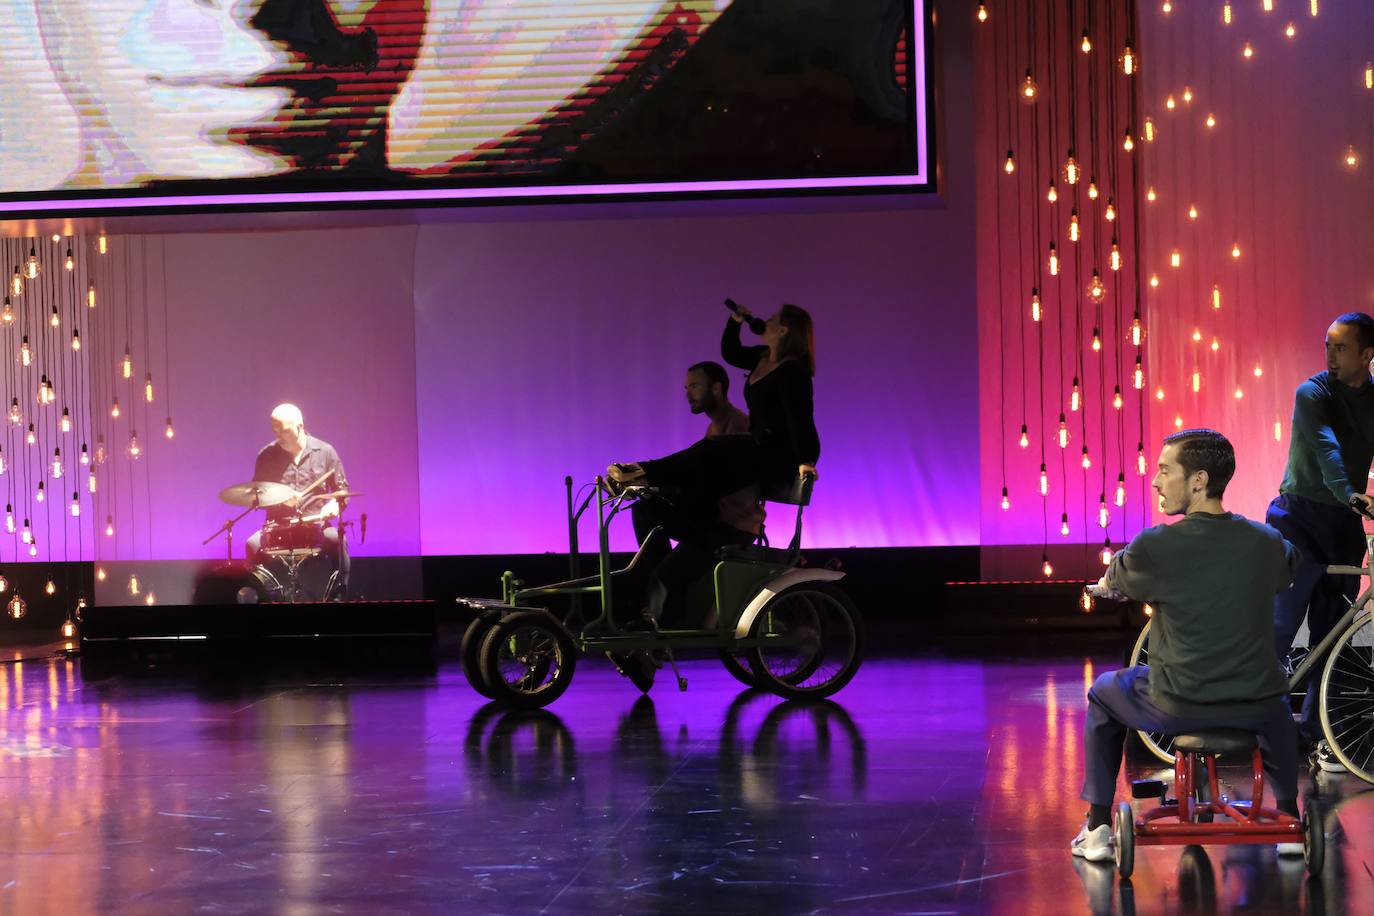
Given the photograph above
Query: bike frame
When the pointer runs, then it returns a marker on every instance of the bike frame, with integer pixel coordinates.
(1318, 653)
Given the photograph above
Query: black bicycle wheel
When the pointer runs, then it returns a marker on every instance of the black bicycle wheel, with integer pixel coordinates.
(1157, 743)
(470, 651)
(527, 660)
(738, 669)
(1347, 698)
(819, 641)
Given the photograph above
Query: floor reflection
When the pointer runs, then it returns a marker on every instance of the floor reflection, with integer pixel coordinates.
(926, 786)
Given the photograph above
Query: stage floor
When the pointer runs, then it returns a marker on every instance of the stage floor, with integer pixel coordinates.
(928, 786)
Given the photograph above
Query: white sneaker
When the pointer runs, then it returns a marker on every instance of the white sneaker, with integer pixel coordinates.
(1094, 845)
(1290, 849)
(1327, 760)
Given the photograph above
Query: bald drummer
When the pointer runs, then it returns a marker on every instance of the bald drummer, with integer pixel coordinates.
(298, 459)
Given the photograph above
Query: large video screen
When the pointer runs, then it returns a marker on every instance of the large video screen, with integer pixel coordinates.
(112, 104)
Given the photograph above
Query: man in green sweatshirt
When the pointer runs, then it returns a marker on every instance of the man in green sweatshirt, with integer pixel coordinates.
(1322, 496)
(1211, 578)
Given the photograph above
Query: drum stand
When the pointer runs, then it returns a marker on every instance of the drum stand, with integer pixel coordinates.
(228, 530)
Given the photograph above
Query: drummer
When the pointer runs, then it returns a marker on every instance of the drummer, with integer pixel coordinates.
(298, 460)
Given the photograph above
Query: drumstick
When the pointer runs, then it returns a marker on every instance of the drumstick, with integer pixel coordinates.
(306, 491)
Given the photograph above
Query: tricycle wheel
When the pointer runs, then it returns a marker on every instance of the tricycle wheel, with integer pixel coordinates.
(819, 641)
(1313, 838)
(527, 660)
(470, 650)
(1124, 828)
(738, 669)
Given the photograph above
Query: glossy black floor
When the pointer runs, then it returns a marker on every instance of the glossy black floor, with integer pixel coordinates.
(929, 785)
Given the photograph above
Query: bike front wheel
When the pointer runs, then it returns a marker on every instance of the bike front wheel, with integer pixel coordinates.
(1347, 698)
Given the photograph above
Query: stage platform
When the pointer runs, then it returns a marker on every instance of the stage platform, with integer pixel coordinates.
(310, 629)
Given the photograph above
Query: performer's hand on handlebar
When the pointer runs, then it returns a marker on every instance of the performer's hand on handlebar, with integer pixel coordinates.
(1363, 504)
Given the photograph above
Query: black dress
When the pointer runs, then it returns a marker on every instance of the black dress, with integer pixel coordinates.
(782, 432)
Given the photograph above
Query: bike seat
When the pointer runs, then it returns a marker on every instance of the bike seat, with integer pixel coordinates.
(1217, 741)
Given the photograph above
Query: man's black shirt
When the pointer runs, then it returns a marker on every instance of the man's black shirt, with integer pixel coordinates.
(275, 464)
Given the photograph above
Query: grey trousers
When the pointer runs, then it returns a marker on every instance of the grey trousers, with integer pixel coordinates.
(1119, 702)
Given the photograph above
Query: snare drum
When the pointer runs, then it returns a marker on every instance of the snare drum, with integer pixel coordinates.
(292, 539)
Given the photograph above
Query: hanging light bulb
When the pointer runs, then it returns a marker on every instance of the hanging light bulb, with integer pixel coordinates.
(1197, 335)
(1054, 261)
(1226, 13)
(1097, 290)
(150, 599)
(1211, 120)
(1105, 556)
(1063, 435)
(134, 449)
(16, 284)
(1128, 142)
(1116, 398)
(76, 340)
(1064, 524)
(1137, 332)
(1188, 95)
(50, 588)
(133, 584)
(31, 436)
(1104, 517)
(148, 388)
(85, 455)
(1192, 211)
(100, 449)
(1216, 297)
(1035, 304)
(1140, 459)
(1073, 226)
(1235, 250)
(1216, 345)
(1075, 399)
(1071, 169)
(1248, 51)
(1312, 6)
(90, 296)
(1259, 370)
(1149, 131)
(90, 482)
(1176, 259)
(1044, 481)
(31, 267)
(109, 526)
(1010, 165)
(15, 416)
(1110, 214)
(1239, 393)
(17, 607)
(1150, 194)
(100, 574)
(1120, 497)
(26, 533)
(114, 409)
(1028, 92)
(1159, 393)
(1278, 431)
(1024, 441)
(1154, 281)
(70, 262)
(1197, 380)
(1369, 75)
(1290, 30)
(56, 463)
(1169, 103)
(102, 244)
(1087, 462)
(1092, 189)
(126, 365)
(25, 352)
(55, 320)
(1130, 63)
(9, 520)
(1139, 380)
(168, 431)
(7, 313)
(1006, 500)
(1045, 566)
(1052, 194)
(982, 11)
(41, 494)
(1178, 421)
(68, 629)
(76, 504)
(1097, 341)
(1114, 259)
(1352, 158)
(1086, 45)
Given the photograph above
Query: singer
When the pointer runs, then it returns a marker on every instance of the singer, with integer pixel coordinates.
(782, 440)
(312, 468)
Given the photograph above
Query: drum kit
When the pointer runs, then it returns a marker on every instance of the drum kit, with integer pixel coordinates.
(289, 545)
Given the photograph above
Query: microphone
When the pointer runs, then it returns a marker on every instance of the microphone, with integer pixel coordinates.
(757, 325)
(362, 529)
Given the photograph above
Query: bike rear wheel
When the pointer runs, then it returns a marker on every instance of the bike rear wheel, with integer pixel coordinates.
(1347, 698)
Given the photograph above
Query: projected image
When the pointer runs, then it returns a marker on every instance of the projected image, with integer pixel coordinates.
(290, 95)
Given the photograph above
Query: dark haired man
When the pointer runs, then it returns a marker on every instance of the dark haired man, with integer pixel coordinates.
(1211, 577)
(1329, 454)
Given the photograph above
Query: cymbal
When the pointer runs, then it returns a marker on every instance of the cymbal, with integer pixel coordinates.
(257, 492)
(342, 494)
